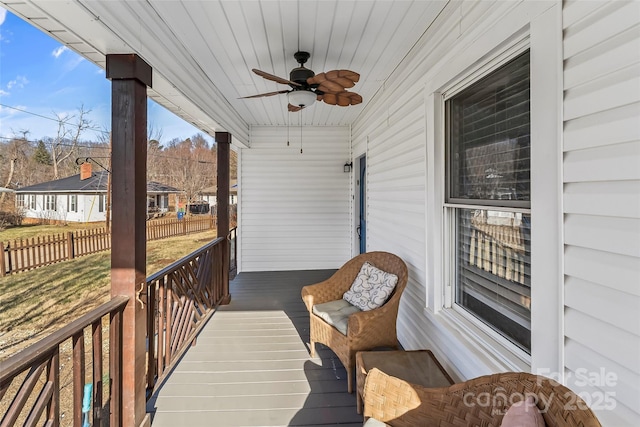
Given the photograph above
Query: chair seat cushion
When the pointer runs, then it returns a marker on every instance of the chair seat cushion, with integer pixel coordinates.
(371, 288)
(372, 422)
(336, 313)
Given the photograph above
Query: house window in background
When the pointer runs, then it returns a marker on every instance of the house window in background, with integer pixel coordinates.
(32, 201)
(101, 203)
(20, 201)
(488, 199)
(72, 203)
(50, 202)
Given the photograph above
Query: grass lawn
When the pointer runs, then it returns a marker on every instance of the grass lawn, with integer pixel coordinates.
(38, 302)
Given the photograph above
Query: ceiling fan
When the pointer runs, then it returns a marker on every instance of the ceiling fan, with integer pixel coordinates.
(307, 87)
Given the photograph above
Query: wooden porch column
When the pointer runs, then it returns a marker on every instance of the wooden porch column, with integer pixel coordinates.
(130, 76)
(223, 141)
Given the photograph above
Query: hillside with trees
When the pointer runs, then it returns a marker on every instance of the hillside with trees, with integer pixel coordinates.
(188, 164)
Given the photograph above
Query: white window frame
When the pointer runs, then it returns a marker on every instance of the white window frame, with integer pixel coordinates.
(543, 36)
(32, 202)
(101, 203)
(50, 202)
(20, 201)
(72, 203)
(486, 69)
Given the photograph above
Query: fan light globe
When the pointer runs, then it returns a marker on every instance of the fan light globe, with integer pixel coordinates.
(301, 98)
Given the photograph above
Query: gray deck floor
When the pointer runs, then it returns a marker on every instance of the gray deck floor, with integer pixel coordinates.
(251, 365)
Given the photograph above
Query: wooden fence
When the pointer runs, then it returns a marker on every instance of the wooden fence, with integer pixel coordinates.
(22, 255)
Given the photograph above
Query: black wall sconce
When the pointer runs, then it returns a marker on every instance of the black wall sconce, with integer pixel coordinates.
(347, 167)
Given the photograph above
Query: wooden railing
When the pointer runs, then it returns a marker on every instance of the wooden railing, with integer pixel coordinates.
(50, 377)
(36, 375)
(22, 255)
(180, 299)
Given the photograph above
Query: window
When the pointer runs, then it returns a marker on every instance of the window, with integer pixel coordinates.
(72, 203)
(32, 201)
(101, 203)
(20, 200)
(488, 199)
(50, 202)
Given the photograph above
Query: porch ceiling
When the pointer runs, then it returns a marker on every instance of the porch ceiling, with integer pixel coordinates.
(202, 52)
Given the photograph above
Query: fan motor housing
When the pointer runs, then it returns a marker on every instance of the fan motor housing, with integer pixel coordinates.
(300, 75)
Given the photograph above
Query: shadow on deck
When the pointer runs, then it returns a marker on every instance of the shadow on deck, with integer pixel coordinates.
(251, 365)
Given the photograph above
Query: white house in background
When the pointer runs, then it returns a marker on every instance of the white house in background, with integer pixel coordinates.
(209, 194)
(74, 200)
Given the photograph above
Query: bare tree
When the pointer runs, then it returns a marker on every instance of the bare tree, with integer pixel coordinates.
(65, 144)
(15, 151)
(190, 165)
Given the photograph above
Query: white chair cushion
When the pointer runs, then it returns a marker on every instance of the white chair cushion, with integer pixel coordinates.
(371, 288)
(372, 422)
(336, 313)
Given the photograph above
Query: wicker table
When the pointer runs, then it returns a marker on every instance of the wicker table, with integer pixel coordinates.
(417, 366)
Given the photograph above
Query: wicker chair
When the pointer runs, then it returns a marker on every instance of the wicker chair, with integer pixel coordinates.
(366, 329)
(482, 401)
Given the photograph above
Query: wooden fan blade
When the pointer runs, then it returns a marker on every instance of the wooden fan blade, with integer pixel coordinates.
(329, 87)
(260, 95)
(342, 99)
(275, 78)
(294, 108)
(335, 79)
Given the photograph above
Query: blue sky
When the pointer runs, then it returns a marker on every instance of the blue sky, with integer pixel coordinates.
(39, 75)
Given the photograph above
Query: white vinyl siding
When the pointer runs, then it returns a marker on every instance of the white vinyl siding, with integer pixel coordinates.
(460, 39)
(602, 203)
(396, 193)
(294, 207)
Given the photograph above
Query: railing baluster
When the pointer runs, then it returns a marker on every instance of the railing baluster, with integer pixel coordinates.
(53, 375)
(169, 324)
(96, 344)
(115, 368)
(78, 377)
(161, 325)
(151, 334)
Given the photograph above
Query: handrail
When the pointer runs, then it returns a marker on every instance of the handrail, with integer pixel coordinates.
(24, 358)
(155, 276)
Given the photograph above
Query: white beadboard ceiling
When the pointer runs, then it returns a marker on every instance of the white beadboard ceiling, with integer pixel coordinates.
(202, 52)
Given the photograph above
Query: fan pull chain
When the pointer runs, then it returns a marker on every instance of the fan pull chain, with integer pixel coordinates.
(301, 112)
(288, 121)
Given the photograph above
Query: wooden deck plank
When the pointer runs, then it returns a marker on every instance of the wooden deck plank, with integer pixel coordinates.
(251, 365)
